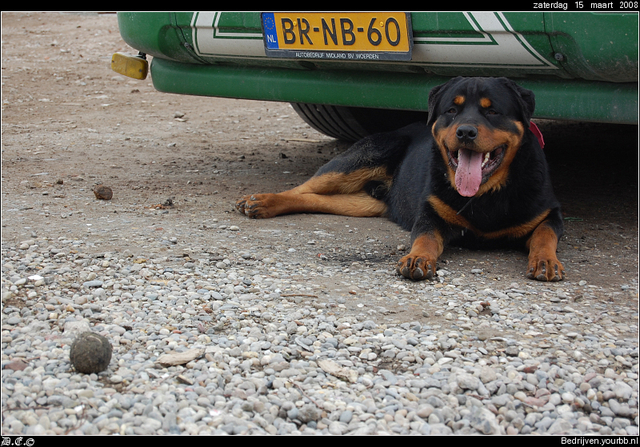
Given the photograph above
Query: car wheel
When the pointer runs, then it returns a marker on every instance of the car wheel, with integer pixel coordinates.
(353, 123)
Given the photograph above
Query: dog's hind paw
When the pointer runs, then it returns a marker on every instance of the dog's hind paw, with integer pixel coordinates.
(255, 206)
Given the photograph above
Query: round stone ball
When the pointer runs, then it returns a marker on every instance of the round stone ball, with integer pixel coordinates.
(90, 353)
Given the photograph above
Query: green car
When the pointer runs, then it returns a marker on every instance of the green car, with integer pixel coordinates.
(352, 74)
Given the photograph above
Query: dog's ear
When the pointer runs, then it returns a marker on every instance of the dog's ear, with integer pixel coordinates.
(434, 98)
(526, 98)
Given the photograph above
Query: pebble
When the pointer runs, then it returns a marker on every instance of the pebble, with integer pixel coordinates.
(262, 324)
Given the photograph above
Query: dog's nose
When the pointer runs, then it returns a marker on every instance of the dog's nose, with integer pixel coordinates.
(467, 132)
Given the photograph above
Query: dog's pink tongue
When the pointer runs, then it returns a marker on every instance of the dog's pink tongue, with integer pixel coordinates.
(469, 172)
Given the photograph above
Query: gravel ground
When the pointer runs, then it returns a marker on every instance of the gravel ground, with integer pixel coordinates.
(278, 354)
(296, 325)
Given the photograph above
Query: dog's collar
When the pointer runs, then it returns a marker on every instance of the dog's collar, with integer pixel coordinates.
(537, 133)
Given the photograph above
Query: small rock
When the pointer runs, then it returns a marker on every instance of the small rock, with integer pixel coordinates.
(622, 390)
(102, 192)
(184, 379)
(76, 327)
(512, 351)
(16, 365)
(309, 413)
(560, 426)
(485, 421)
(487, 374)
(180, 358)
(331, 367)
(468, 382)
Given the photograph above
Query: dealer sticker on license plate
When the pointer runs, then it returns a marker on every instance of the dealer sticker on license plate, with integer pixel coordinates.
(357, 36)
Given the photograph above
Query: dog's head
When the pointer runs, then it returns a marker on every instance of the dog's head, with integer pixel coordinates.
(478, 125)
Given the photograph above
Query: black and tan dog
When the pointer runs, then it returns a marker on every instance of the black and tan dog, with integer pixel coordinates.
(475, 175)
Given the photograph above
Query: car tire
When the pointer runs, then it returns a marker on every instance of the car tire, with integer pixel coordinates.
(354, 123)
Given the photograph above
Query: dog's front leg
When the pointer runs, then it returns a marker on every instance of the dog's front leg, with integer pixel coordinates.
(543, 262)
(420, 263)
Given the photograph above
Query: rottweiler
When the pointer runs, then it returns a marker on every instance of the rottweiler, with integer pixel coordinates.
(475, 176)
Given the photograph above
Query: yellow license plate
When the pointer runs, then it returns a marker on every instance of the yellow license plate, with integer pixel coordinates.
(356, 36)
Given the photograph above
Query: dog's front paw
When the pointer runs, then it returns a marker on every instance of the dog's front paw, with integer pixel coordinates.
(545, 268)
(417, 267)
(255, 206)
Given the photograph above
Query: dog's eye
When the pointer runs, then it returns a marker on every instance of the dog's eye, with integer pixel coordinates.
(491, 112)
(452, 110)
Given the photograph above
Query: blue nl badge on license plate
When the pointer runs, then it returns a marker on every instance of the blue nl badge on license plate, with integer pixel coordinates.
(270, 31)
